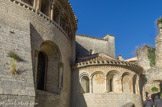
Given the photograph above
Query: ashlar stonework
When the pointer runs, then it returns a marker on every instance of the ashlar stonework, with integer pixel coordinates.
(59, 68)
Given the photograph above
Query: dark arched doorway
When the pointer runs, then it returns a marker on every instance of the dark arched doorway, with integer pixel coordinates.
(41, 71)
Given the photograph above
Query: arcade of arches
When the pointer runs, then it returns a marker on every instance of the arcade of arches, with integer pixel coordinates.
(56, 12)
(113, 81)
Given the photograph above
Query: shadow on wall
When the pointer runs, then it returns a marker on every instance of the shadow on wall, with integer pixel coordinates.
(35, 36)
(143, 81)
(128, 105)
(80, 50)
(78, 99)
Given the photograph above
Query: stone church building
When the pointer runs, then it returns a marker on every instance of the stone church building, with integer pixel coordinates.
(44, 63)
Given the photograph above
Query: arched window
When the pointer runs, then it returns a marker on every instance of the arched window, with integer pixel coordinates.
(126, 83)
(112, 81)
(41, 71)
(85, 84)
(30, 2)
(45, 7)
(60, 77)
(49, 77)
(98, 82)
(56, 14)
(111, 85)
(134, 84)
(63, 22)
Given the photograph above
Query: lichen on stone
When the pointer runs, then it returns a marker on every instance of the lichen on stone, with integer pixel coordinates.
(151, 55)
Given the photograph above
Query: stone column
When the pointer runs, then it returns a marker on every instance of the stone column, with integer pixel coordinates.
(37, 4)
(120, 85)
(106, 85)
(59, 18)
(158, 42)
(34, 4)
(90, 85)
(52, 12)
(137, 86)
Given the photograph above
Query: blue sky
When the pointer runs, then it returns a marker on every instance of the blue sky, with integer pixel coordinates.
(133, 22)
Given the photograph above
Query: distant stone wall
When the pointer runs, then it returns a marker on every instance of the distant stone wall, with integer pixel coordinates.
(158, 41)
(142, 56)
(152, 75)
(152, 79)
(85, 44)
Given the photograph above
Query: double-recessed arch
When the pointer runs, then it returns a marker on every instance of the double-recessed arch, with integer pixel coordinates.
(49, 68)
(126, 82)
(112, 81)
(130, 83)
(98, 82)
(85, 85)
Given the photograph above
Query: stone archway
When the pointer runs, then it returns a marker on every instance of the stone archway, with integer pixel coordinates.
(98, 82)
(126, 83)
(85, 84)
(53, 75)
(113, 81)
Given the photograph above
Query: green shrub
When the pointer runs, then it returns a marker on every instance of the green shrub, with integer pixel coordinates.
(160, 94)
(159, 20)
(154, 89)
(13, 55)
(151, 55)
(14, 59)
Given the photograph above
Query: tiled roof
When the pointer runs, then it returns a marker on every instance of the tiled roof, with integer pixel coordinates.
(103, 59)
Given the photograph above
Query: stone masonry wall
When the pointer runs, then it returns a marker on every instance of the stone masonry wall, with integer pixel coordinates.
(15, 36)
(85, 44)
(142, 56)
(25, 23)
(158, 41)
(110, 100)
